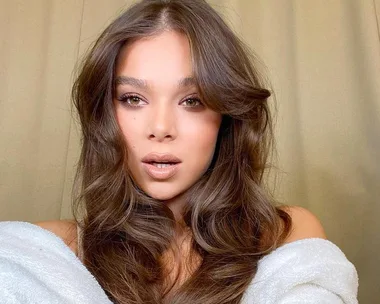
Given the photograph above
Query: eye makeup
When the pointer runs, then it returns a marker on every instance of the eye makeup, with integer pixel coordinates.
(134, 100)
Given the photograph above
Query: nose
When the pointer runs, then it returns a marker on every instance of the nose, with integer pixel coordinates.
(162, 124)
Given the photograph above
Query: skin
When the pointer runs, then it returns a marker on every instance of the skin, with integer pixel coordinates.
(162, 116)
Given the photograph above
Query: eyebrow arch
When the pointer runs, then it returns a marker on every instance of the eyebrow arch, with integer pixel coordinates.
(143, 84)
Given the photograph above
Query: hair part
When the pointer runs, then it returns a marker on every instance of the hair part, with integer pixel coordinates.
(231, 218)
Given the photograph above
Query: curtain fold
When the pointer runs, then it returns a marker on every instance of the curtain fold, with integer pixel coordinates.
(321, 57)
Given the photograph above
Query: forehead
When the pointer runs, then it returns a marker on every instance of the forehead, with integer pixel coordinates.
(163, 57)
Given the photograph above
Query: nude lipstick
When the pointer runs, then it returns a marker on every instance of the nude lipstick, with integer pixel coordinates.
(161, 166)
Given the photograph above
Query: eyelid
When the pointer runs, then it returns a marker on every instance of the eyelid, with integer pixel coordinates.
(193, 96)
(125, 96)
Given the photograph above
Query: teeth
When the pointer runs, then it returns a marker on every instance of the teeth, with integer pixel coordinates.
(160, 165)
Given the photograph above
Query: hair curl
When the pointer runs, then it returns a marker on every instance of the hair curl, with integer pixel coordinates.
(232, 219)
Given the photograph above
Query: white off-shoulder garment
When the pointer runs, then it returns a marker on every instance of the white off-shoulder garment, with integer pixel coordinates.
(36, 266)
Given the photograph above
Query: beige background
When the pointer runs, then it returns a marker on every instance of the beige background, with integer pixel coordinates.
(323, 58)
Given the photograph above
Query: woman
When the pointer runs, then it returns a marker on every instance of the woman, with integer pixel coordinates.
(172, 208)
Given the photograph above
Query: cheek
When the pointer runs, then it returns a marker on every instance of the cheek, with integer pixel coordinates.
(206, 139)
(129, 129)
(208, 129)
(201, 138)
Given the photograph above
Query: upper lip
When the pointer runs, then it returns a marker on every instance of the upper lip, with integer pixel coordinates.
(160, 158)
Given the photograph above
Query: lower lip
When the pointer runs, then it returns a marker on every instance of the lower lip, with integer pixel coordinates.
(161, 173)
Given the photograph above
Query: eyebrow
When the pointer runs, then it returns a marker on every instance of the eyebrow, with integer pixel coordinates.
(143, 84)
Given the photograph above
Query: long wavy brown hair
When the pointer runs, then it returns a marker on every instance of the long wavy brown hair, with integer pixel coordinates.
(232, 219)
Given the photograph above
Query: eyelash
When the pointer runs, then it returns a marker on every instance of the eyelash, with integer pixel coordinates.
(124, 100)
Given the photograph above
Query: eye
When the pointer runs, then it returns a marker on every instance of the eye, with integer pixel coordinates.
(131, 100)
(192, 102)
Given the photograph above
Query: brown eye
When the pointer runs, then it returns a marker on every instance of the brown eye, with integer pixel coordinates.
(192, 102)
(131, 100)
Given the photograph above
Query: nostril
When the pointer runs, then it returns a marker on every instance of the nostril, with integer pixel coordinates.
(160, 136)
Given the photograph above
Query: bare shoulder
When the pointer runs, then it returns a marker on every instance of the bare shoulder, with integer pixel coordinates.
(304, 224)
(64, 229)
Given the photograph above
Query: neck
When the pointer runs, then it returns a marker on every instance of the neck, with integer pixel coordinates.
(176, 205)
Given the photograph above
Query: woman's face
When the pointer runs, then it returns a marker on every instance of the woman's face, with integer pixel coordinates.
(170, 134)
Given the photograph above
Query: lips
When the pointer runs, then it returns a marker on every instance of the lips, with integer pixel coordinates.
(160, 158)
(161, 166)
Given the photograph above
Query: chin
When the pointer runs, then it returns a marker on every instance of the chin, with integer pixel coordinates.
(164, 194)
(161, 195)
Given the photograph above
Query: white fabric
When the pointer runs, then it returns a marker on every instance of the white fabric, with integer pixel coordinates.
(36, 266)
(311, 271)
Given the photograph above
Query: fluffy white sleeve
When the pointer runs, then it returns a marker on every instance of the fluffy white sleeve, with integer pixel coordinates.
(36, 267)
(306, 271)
